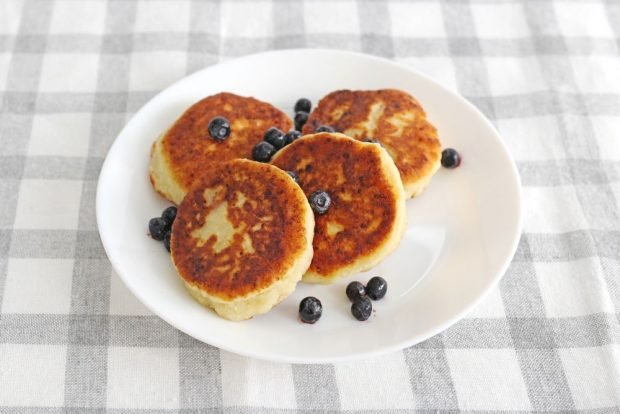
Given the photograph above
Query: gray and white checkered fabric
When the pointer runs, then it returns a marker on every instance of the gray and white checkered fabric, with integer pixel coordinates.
(73, 339)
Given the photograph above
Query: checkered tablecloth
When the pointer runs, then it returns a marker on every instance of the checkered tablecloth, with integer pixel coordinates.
(73, 339)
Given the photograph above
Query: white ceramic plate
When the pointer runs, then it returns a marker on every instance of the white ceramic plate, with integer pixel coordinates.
(463, 230)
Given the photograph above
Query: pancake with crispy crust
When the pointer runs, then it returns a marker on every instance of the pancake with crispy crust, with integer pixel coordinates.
(242, 238)
(393, 117)
(181, 154)
(367, 217)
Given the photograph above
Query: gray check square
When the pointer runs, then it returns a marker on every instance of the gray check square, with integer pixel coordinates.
(12, 167)
(20, 102)
(89, 330)
(530, 333)
(138, 331)
(42, 243)
(30, 44)
(89, 245)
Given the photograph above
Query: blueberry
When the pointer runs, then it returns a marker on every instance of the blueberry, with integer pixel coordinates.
(450, 158)
(291, 136)
(325, 128)
(355, 291)
(376, 288)
(303, 104)
(300, 119)
(263, 151)
(158, 227)
(320, 202)
(167, 240)
(361, 309)
(294, 176)
(170, 214)
(219, 128)
(275, 137)
(310, 309)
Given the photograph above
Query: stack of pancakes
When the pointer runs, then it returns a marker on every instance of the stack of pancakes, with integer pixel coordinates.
(245, 233)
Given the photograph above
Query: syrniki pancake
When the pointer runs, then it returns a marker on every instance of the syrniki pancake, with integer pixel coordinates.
(394, 118)
(181, 154)
(242, 238)
(366, 219)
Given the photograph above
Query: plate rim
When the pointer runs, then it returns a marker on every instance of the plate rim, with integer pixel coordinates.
(415, 339)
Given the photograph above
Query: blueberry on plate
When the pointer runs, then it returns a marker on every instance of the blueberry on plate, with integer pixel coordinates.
(219, 128)
(301, 118)
(275, 137)
(263, 151)
(362, 309)
(376, 288)
(158, 227)
(310, 309)
(355, 291)
(291, 136)
(294, 176)
(303, 104)
(450, 158)
(320, 201)
(325, 128)
(167, 240)
(170, 213)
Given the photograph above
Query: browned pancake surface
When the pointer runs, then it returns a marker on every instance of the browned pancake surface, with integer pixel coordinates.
(189, 147)
(364, 204)
(392, 116)
(256, 204)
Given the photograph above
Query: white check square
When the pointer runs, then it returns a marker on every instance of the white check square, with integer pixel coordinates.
(78, 17)
(10, 16)
(575, 288)
(48, 204)
(162, 16)
(552, 210)
(340, 17)
(380, 383)
(143, 378)
(583, 19)
(5, 59)
(606, 129)
(38, 286)
(597, 74)
(122, 301)
(32, 375)
(65, 134)
(514, 76)
(65, 72)
(532, 139)
(440, 69)
(153, 71)
(500, 21)
(592, 375)
(416, 19)
(246, 19)
(249, 382)
(487, 379)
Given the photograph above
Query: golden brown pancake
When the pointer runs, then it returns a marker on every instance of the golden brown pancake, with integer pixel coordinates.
(242, 238)
(183, 153)
(393, 117)
(367, 218)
